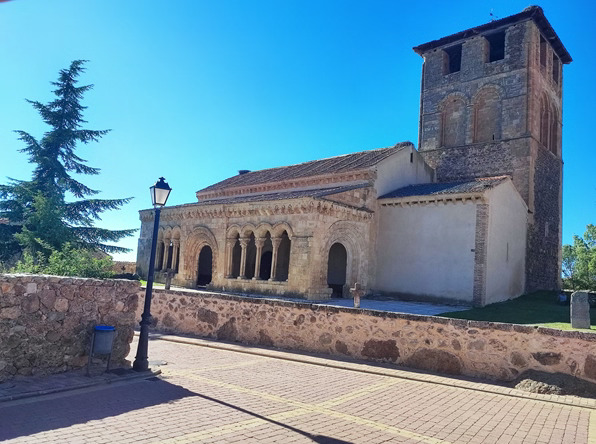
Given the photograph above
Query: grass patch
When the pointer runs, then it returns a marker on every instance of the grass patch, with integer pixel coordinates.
(540, 308)
(155, 284)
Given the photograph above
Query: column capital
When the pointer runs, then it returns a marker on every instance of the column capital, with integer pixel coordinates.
(276, 241)
(244, 241)
(260, 242)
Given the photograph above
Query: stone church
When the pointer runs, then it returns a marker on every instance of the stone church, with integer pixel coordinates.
(473, 216)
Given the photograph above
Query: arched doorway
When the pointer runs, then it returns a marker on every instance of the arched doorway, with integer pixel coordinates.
(205, 265)
(336, 269)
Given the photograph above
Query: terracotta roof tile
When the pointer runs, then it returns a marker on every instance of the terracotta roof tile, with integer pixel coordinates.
(331, 165)
(432, 189)
(279, 195)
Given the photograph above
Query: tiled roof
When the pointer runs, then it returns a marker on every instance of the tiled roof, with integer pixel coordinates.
(280, 195)
(331, 165)
(432, 189)
(531, 12)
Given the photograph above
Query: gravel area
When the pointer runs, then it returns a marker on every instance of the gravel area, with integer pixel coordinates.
(554, 384)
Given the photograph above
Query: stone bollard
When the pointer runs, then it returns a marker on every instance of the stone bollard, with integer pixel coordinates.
(169, 275)
(580, 310)
(357, 293)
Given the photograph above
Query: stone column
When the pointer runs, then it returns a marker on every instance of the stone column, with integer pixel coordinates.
(175, 254)
(243, 243)
(158, 258)
(259, 244)
(275, 241)
(166, 253)
(229, 249)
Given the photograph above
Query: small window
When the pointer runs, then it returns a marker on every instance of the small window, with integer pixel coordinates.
(556, 68)
(542, 51)
(452, 59)
(496, 46)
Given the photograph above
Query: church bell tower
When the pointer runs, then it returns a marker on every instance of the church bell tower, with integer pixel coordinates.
(491, 105)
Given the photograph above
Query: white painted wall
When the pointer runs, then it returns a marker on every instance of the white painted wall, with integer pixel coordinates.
(397, 171)
(506, 252)
(427, 250)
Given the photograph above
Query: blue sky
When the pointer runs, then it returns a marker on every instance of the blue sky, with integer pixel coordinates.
(195, 90)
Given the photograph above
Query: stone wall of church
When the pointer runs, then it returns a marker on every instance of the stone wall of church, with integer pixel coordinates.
(544, 234)
(472, 348)
(312, 226)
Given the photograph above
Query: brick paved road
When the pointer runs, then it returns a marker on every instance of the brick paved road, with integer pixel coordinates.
(208, 395)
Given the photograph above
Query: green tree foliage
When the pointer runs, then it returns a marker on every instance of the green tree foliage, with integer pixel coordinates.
(579, 261)
(69, 261)
(38, 213)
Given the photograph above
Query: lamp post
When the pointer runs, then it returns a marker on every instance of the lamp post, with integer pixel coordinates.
(159, 195)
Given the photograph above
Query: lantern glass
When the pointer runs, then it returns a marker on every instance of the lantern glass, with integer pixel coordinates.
(160, 192)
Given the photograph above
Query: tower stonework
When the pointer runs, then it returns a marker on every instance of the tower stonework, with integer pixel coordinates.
(491, 105)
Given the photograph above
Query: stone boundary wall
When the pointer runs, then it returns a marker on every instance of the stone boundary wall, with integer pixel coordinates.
(472, 348)
(120, 267)
(46, 322)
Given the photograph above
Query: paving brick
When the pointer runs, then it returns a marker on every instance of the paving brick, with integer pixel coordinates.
(210, 395)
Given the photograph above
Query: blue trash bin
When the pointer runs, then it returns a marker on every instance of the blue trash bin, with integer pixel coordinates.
(103, 339)
(101, 343)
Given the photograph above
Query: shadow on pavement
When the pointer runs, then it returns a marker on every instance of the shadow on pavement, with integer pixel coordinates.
(35, 415)
(322, 439)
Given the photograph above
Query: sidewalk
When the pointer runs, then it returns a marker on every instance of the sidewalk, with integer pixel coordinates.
(30, 386)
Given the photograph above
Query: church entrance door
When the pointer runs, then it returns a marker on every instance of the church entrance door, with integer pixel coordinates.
(205, 266)
(336, 269)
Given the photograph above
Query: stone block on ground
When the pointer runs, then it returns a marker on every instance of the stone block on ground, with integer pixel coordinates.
(580, 310)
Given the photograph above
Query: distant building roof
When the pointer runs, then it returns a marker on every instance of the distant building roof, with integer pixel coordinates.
(434, 189)
(332, 165)
(531, 12)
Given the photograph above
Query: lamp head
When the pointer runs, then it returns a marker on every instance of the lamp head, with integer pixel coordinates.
(160, 192)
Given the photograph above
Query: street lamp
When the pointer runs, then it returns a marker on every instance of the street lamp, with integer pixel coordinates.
(159, 195)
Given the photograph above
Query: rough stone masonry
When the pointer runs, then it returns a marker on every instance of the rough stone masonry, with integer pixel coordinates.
(46, 322)
(453, 346)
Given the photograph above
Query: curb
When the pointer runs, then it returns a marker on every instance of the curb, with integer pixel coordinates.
(409, 374)
(93, 383)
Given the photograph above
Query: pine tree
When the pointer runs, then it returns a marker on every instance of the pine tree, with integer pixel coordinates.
(38, 209)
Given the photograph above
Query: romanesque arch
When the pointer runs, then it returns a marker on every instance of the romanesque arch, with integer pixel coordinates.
(453, 120)
(337, 263)
(487, 114)
(258, 252)
(352, 238)
(167, 252)
(196, 241)
(553, 143)
(282, 269)
(544, 121)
